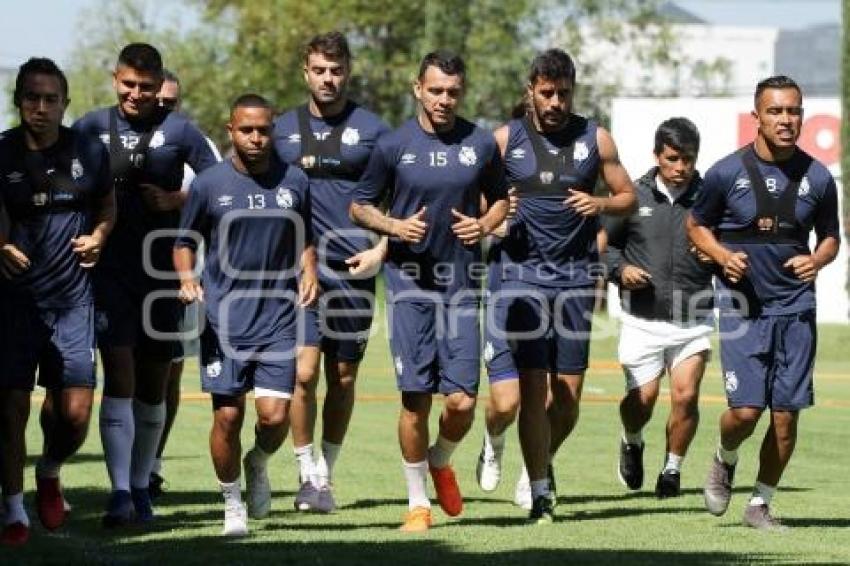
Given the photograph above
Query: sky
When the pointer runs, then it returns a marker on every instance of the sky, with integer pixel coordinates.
(48, 27)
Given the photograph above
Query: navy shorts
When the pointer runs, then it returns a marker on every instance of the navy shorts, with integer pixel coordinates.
(235, 369)
(340, 323)
(768, 361)
(59, 343)
(435, 347)
(533, 327)
(120, 320)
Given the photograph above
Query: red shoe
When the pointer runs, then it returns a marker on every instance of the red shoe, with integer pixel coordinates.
(50, 503)
(15, 534)
(448, 492)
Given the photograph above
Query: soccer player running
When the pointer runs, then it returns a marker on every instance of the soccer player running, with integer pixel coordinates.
(148, 149)
(56, 194)
(331, 139)
(253, 214)
(542, 291)
(753, 218)
(666, 296)
(436, 167)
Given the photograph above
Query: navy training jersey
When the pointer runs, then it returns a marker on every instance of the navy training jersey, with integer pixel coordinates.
(49, 197)
(172, 142)
(548, 243)
(250, 227)
(440, 172)
(337, 237)
(727, 202)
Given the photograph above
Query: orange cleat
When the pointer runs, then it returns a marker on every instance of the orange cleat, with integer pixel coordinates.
(15, 534)
(417, 520)
(448, 492)
(50, 503)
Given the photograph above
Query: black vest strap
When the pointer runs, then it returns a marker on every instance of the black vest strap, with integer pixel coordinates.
(555, 172)
(126, 164)
(776, 220)
(51, 179)
(322, 159)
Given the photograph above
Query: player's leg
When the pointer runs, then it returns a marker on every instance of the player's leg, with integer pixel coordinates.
(226, 453)
(14, 414)
(303, 424)
(172, 404)
(413, 440)
(534, 432)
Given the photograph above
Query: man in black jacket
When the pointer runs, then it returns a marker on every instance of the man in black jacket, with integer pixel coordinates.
(665, 292)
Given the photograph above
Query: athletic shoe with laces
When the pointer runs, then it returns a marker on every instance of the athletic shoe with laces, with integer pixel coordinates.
(488, 471)
(235, 519)
(325, 500)
(118, 509)
(49, 503)
(522, 493)
(630, 467)
(759, 517)
(718, 486)
(307, 497)
(258, 491)
(448, 492)
(142, 504)
(14, 534)
(541, 510)
(667, 484)
(155, 485)
(417, 520)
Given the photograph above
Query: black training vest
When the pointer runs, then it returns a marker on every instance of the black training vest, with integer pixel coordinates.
(126, 165)
(322, 159)
(775, 221)
(555, 172)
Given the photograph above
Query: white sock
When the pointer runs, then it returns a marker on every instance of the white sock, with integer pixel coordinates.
(150, 420)
(157, 466)
(523, 476)
(231, 491)
(673, 463)
(539, 488)
(440, 453)
(327, 460)
(416, 474)
(15, 512)
(728, 457)
(304, 454)
(494, 445)
(634, 438)
(47, 468)
(117, 429)
(762, 494)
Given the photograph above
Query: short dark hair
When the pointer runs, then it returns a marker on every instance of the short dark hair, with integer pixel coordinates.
(448, 62)
(167, 75)
(332, 45)
(776, 81)
(141, 57)
(552, 64)
(678, 133)
(39, 66)
(250, 100)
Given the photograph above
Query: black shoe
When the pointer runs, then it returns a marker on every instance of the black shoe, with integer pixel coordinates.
(155, 485)
(541, 511)
(553, 490)
(630, 469)
(667, 484)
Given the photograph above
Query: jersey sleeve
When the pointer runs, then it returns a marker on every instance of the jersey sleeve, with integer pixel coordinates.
(616, 227)
(194, 221)
(494, 183)
(200, 152)
(826, 219)
(711, 201)
(377, 176)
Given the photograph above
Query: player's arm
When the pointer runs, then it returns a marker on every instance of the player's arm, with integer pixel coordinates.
(622, 199)
(494, 186)
(733, 264)
(13, 261)
(501, 134)
(88, 247)
(368, 262)
(308, 282)
(193, 225)
(806, 267)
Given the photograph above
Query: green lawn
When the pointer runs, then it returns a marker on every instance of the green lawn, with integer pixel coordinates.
(597, 521)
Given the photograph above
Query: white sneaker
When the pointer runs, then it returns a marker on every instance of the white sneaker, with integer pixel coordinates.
(235, 520)
(258, 494)
(522, 494)
(488, 471)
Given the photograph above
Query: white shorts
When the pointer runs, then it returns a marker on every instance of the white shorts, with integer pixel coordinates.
(648, 347)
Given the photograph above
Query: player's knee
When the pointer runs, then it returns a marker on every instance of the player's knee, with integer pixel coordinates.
(686, 400)
(504, 407)
(460, 405)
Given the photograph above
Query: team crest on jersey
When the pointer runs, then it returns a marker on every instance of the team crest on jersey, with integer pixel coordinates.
(294, 138)
(546, 177)
(104, 138)
(399, 366)
(157, 139)
(580, 151)
(408, 159)
(308, 161)
(76, 169)
(467, 156)
(225, 200)
(284, 198)
(14, 177)
(645, 211)
(350, 136)
(213, 369)
(804, 187)
(518, 153)
(742, 184)
(39, 199)
(731, 381)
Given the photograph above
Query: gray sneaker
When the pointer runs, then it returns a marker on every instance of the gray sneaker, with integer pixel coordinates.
(759, 517)
(307, 498)
(325, 501)
(718, 486)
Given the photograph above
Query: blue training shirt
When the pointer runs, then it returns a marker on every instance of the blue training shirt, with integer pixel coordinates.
(254, 230)
(441, 172)
(727, 202)
(44, 217)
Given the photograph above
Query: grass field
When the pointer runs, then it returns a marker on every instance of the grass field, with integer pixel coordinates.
(597, 521)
